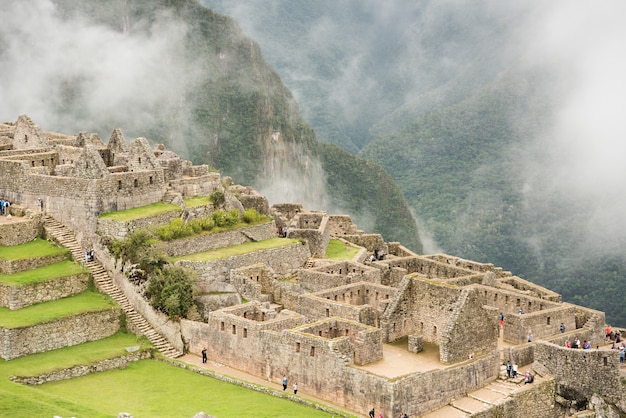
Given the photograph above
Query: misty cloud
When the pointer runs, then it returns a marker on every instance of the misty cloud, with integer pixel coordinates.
(70, 74)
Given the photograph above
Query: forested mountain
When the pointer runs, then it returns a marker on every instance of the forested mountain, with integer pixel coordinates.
(180, 74)
(498, 121)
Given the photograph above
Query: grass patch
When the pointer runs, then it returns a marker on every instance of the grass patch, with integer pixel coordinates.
(52, 271)
(233, 250)
(32, 249)
(175, 392)
(49, 311)
(147, 211)
(23, 401)
(196, 201)
(337, 250)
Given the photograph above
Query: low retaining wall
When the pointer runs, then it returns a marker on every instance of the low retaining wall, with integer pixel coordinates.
(19, 296)
(16, 266)
(82, 369)
(283, 260)
(21, 231)
(114, 229)
(206, 242)
(74, 330)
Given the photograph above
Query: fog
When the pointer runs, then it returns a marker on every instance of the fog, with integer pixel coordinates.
(68, 75)
(369, 62)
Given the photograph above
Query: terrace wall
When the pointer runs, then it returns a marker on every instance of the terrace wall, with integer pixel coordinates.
(27, 229)
(19, 296)
(63, 332)
(283, 260)
(16, 266)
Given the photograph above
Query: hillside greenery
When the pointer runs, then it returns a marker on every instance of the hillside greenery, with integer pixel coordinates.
(231, 104)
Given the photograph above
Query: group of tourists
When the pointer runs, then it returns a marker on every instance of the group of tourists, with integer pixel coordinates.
(372, 414)
(294, 386)
(585, 345)
(4, 207)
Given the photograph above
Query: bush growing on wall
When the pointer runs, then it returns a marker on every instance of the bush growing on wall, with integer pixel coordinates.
(251, 216)
(217, 198)
(170, 290)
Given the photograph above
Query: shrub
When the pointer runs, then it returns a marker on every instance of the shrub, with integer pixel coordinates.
(219, 218)
(217, 198)
(251, 216)
(170, 290)
(232, 217)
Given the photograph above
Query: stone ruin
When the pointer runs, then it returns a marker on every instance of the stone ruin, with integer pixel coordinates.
(328, 324)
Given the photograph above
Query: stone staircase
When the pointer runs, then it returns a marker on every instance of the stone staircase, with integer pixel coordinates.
(309, 263)
(104, 283)
(169, 196)
(479, 400)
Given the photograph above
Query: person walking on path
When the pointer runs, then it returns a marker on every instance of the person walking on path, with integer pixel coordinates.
(204, 355)
(295, 388)
(284, 382)
(372, 414)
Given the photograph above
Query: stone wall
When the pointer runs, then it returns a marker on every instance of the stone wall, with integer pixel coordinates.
(337, 274)
(468, 264)
(283, 260)
(213, 241)
(341, 225)
(540, 324)
(427, 268)
(17, 297)
(169, 329)
(312, 227)
(423, 392)
(115, 229)
(581, 373)
(27, 229)
(370, 241)
(83, 369)
(536, 400)
(16, 266)
(74, 330)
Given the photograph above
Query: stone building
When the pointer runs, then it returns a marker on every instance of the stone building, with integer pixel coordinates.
(334, 326)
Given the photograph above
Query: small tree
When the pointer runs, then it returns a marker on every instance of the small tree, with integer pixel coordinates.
(170, 290)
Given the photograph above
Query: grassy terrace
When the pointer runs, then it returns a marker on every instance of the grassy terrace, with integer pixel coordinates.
(52, 271)
(140, 212)
(50, 311)
(145, 389)
(32, 249)
(196, 201)
(248, 247)
(337, 250)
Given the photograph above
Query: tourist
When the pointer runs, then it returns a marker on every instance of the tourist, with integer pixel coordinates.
(509, 367)
(514, 370)
(607, 331)
(284, 383)
(40, 204)
(568, 344)
(528, 377)
(295, 388)
(91, 255)
(380, 415)
(2, 206)
(530, 337)
(372, 414)
(562, 328)
(621, 354)
(501, 317)
(203, 355)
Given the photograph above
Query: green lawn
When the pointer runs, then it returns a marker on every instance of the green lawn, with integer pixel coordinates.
(155, 389)
(337, 250)
(233, 250)
(197, 201)
(32, 249)
(49, 311)
(141, 212)
(52, 271)
(23, 401)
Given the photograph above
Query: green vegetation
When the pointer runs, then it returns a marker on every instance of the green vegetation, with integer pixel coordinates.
(234, 250)
(147, 211)
(176, 392)
(170, 290)
(337, 250)
(196, 201)
(33, 249)
(52, 271)
(217, 198)
(51, 311)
